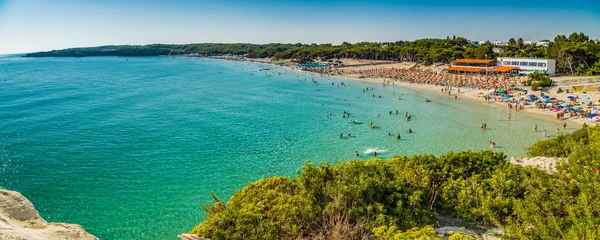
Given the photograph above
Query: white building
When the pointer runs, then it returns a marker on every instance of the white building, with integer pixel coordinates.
(527, 43)
(543, 44)
(530, 65)
(499, 43)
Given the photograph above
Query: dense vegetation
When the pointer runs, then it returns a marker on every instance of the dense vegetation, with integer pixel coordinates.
(399, 198)
(576, 54)
(538, 80)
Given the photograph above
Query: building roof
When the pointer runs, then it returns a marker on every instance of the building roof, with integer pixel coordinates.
(465, 69)
(473, 61)
(504, 69)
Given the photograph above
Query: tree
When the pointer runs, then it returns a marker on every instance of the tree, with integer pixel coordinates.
(520, 43)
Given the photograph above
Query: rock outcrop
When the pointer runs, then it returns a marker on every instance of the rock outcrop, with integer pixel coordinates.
(19, 220)
(543, 163)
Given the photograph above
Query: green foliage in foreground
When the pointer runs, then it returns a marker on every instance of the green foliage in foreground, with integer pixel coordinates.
(564, 145)
(399, 198)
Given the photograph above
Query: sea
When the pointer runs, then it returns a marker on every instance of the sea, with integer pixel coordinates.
(131, 147)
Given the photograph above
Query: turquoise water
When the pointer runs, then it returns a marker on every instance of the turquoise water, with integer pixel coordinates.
(130, 148)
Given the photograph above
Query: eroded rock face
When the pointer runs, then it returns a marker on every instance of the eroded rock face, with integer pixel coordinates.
(19, 220)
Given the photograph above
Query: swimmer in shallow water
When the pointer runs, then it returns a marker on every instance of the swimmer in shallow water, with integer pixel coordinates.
(398, 137)
(357, 154)
(410, 130)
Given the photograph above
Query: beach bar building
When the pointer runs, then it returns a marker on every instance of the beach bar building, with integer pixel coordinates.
(479, 66)
(530, 65)
(470, 66)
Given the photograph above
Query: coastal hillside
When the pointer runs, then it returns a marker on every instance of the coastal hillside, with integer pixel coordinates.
(412, 198)
(19, 220)
(575, 54)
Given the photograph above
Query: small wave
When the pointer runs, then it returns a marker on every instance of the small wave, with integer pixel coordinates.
(371, 150)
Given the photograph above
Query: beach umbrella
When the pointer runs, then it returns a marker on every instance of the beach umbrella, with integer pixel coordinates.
(591, 115)
(571, 109)
(554, 101)
(570, 96)
(564, 105)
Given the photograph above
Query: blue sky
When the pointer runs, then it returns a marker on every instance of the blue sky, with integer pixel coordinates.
(36, 25)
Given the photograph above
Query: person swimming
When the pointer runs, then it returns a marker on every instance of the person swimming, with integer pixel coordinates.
(375, 153)
(341, 135)
(389, 133)
(398, 137)
(410, 130)
(349, 134)
(357, 154)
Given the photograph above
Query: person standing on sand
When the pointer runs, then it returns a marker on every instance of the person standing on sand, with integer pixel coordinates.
(564, 125)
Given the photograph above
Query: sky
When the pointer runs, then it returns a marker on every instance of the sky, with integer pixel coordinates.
(42, 25)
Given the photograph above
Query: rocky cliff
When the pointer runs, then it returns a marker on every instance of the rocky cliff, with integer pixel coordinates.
(19, 220)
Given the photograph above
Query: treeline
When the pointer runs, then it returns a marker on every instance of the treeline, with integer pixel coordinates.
(576, 54)
(399, 198)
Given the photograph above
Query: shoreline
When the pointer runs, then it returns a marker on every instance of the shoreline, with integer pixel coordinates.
(466, 94)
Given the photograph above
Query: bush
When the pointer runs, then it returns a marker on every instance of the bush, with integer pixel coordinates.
(398, 198)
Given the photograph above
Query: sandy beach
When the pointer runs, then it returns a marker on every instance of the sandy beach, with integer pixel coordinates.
(351, 66)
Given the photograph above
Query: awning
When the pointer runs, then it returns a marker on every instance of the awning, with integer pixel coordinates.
(504, 69)
(465, 69)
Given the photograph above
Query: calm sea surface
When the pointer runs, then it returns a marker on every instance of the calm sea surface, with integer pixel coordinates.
(130, 148)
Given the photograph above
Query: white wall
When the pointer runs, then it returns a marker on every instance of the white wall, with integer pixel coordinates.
(550, 67)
